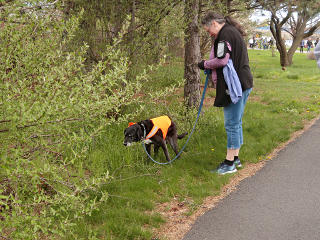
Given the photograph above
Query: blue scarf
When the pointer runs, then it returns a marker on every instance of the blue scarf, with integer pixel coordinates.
(232, 81)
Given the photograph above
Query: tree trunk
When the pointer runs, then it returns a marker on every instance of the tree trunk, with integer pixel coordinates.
(132, 28)
(275, 28)
(295, 44)
(284, 60)
(192, 54)
(298, 15)
(297, 37)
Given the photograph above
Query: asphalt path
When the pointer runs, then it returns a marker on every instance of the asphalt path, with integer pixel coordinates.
(280, 202)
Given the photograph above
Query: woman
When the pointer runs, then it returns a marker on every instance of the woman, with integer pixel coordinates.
(228, 45)
(309, 44)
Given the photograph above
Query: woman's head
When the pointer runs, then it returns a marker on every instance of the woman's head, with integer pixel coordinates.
(210, 16)
(213, 21)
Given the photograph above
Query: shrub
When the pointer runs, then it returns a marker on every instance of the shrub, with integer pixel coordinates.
(311, 56)
(52, 108)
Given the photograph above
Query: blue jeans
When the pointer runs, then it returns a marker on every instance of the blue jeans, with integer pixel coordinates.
(233, 121)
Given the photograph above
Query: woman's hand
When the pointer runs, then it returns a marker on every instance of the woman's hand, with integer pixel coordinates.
(201, 65)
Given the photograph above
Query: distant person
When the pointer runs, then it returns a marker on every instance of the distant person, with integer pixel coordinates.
(309, 45)
(301, 46)
(271, 42)
(317, 54)
(316, 42)
(251, 42)
(229, 45)
(265, 43)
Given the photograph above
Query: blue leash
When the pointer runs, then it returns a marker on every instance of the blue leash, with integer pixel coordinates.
(207, 72)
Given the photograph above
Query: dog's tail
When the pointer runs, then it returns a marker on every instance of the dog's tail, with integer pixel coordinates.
(182, 135)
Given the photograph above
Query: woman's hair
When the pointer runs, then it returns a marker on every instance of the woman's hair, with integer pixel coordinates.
(219, 18)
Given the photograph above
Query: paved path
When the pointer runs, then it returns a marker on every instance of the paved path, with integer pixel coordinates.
(280, 202)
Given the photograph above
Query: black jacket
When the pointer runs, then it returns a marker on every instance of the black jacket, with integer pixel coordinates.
(240, 59)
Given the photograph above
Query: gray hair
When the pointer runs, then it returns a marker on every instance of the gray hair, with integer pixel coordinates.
(219, 18)
(210, 16)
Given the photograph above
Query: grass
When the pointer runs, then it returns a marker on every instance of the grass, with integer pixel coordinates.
(280, 104)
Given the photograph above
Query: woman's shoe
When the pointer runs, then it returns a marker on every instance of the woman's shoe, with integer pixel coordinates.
(237, 163)
(225, 168)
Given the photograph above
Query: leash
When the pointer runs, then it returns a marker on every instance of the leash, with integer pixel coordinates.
(207, 72)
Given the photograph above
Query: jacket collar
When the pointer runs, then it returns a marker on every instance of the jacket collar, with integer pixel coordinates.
(223, 27)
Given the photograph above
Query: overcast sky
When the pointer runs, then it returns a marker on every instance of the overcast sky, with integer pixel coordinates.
(260, 16)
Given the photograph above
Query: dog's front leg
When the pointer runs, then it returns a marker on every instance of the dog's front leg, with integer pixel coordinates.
(156, 149)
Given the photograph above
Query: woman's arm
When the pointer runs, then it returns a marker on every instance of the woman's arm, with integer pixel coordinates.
(216, 62)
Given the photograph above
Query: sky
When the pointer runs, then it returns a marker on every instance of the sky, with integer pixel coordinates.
(260, 16)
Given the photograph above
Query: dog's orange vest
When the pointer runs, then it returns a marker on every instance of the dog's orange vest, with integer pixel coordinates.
(162, 123)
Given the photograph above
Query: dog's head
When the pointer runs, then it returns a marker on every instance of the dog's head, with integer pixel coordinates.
(134, 133)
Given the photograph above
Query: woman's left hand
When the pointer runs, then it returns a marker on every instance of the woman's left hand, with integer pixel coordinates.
(201, 65)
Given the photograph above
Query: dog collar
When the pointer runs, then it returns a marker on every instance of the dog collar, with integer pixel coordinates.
(144, 131)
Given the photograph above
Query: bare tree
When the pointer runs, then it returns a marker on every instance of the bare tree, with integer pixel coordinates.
(298, 18)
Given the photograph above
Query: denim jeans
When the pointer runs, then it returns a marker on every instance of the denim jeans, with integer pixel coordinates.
(233, 121)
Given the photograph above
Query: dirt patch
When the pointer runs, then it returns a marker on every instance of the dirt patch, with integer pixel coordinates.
(178, 223)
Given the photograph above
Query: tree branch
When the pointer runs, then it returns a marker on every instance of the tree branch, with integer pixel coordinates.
(286, 18)
(287, 31)
(163, 14)
(311, 30)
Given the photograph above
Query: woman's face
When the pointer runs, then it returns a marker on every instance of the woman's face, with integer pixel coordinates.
(214, 28)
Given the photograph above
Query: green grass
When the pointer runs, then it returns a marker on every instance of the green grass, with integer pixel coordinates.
(281, 103)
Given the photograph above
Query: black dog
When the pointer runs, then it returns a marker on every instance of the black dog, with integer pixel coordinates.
(141, 130)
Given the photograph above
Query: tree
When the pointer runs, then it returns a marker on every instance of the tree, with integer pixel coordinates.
(299, 18)
(303, 25)
(192, 54)
(135, 24)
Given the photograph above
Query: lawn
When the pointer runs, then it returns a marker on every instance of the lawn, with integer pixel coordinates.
(280, 104)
